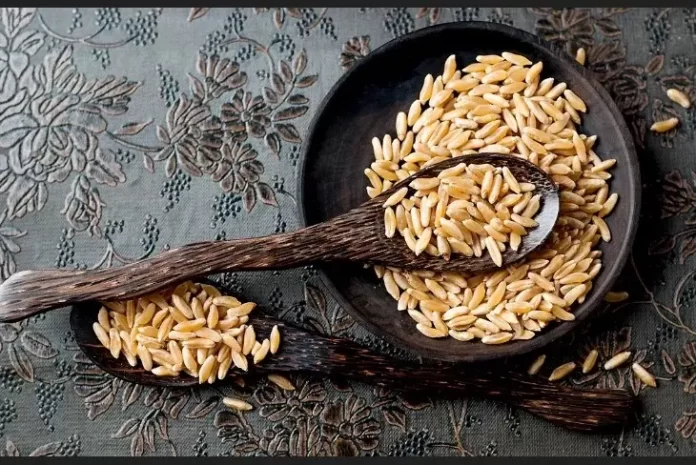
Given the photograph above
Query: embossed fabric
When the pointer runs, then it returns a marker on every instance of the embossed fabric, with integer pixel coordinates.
(126, 132)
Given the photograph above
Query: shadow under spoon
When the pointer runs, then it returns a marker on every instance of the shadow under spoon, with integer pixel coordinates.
(356, 236)
(585, 410)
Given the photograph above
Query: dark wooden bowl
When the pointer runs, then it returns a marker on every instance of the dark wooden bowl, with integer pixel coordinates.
(364, 103)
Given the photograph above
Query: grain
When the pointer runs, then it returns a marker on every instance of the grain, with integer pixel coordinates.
(439, 99)
(389, 222)
(614, 297)
(536, 365)
(581, 56)
(617, 360)
(182, 306)
(414, 112)
(679, 97)
(590, 361)
(160, 317)
(562, 371)
(533, 73)
(189, 360)
(262, 352)
(236, 404)
(499, 338)
(494, 251)
(562, 314)
(197, 308)
(574, 101)
(145, 316)
(130, 358)
(249, 340)
(427, 89)
(187, 333)
(201, 354)
(401, 125)
(223, 368)
(450, 68)
(501, 103)
(175, 352)
(210, 334)
(461, 335)
(103, 318)
(130, 313)
(664, 125)
(604, 230)
(163, 356)
(275, 339)
(240, 361)
(114, 343)
(115, 307)
(282, 382)
(241, 310)
(643, 374)
(230, 341)
(190, 325)
(574, 294)
(430, 332)
(102, 335)
(207, 369)
(145, 357)
(225, 301)
(515, 59)
(396, 197)
(164, 371)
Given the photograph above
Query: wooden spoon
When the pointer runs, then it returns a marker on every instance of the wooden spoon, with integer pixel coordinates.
(301, 351)
(356, 236)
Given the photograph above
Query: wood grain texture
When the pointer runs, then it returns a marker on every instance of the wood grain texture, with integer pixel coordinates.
(364, 102)
(300, 351)
(356, 236)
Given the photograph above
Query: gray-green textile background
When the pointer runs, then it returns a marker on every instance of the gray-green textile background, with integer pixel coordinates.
(110, 121)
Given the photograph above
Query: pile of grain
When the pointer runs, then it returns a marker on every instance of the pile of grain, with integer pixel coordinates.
(499, 104)
(193, 329)
(465, 209)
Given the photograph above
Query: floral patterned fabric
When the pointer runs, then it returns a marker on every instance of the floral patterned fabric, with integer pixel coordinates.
(127, 132)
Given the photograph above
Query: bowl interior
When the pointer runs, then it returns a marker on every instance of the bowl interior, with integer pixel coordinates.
(364, 104)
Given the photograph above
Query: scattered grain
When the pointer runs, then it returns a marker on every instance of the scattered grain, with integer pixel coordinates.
(679, 97)
(614, 297)
(644, 375)
(562, 371)
(236, 404)
(617, 360)
(536, 365)
(664, 125)
(282, 382)
(581, 56)
(590, 361)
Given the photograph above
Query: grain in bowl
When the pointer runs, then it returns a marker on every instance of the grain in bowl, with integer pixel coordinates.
(500, 104)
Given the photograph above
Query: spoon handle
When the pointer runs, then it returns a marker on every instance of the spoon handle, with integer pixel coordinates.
(576, 409)
(30, 292)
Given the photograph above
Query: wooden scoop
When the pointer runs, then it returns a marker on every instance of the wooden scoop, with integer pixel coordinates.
(356, 236)
(303, 351)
